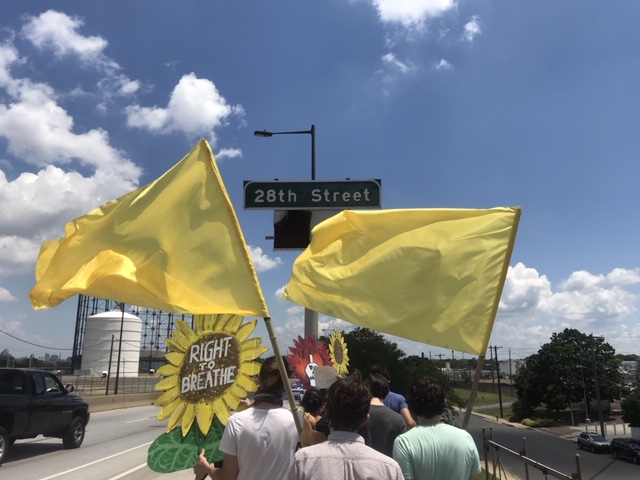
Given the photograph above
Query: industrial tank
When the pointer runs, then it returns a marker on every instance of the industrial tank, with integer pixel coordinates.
(97, 348)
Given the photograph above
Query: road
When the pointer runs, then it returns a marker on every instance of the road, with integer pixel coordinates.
(115, 447)
(550, 450)
(116, 444)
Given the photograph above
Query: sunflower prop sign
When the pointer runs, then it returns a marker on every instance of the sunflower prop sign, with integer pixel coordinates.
(209, 371)
(338, 353)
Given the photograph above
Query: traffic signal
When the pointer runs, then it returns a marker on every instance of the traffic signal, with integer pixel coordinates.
(291, 229)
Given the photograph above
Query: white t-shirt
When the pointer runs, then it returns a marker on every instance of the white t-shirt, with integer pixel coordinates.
(264, 440)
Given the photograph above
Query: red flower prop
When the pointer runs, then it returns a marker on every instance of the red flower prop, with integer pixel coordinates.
(307, 351)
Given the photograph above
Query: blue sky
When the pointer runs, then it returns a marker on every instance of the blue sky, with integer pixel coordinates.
(451, 103)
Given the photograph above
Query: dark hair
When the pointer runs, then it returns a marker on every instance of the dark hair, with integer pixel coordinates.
(270, 378)
(348, 403)
(426, 397)
(380, 370)
(379, 385)
(312, 400)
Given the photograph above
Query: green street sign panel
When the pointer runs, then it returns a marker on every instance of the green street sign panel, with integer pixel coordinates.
(312, 195)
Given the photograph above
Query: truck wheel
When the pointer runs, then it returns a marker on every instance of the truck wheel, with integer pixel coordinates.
(4, 444)
(75, 434)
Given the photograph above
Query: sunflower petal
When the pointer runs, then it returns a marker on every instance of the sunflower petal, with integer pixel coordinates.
(238, 391)
(185, 330)
(221, 410)
(250, 368)
(245, 382)
(248, 355)
(175, 346)
(231, 326)
(204, 416)
(167, 370)
(167, 383)
(187, 418)
(175, 358)
(176, 416)
(168, 396)
(245, 330)
(168, 409)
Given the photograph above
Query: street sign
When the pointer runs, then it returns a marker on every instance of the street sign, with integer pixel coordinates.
(312, 195)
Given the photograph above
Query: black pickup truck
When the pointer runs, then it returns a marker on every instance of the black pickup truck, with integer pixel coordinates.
(33, 403)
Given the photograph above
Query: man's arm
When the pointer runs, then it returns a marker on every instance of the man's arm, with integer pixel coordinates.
(408, 419)
(228, 471)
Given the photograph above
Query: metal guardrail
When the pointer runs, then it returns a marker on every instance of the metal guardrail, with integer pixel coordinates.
(97, 385)
(498, 468)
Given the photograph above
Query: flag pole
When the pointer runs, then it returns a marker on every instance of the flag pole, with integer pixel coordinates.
(474, 392)
(283, 373)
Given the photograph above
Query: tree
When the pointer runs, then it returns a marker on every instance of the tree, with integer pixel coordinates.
(368, 348)
(554, 375)
(631, 409)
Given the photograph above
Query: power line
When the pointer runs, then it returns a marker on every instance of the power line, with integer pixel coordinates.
(34, 344)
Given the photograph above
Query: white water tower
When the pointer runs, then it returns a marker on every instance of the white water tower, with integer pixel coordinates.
(97, 348)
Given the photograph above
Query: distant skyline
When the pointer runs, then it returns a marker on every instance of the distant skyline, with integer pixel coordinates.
(455, 104)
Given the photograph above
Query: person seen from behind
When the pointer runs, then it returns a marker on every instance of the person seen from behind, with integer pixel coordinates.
(395, 401)
(344, 456)
(384, 424)
(259, 442)
(434, 449)
(315, 428)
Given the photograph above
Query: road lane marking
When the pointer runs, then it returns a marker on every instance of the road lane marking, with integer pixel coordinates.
(124, 474)
(97, 461)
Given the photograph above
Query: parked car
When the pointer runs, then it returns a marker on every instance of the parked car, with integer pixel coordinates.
(626, 448)
(592, 442)
(33, 403)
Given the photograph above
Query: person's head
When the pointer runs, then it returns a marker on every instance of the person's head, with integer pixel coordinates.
(380, 370)
(379, 385)
(347, 405)
(426, 397)
(312, 401)
(269, 377)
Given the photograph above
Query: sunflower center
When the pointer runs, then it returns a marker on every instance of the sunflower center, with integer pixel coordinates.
(338, 352)
(209, 368)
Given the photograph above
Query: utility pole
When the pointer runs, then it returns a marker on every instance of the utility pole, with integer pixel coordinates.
(498, 374)
(595, 378)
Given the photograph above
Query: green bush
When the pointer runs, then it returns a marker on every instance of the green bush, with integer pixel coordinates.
(537, 422)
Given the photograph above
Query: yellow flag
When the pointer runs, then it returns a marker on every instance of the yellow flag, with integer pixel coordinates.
(430, 275)
(174, 245)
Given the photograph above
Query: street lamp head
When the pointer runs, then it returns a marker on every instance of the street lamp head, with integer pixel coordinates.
(262, 133)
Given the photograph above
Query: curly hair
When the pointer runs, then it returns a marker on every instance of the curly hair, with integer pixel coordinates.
(426, 397)
(379, 385)
(348, 403)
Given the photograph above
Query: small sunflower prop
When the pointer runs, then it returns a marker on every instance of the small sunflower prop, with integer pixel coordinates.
(209, 371)
(339, 353)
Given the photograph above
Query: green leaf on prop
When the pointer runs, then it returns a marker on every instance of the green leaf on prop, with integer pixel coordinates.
(171, 452)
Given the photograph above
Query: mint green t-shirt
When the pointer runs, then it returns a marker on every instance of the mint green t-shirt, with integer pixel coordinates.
(436, 452)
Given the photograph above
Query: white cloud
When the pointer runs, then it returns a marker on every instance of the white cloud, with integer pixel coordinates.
(195, 108)
(228, 153)
(58, 32)
(391, 61)
(6, 296)
(443, 65)
(411, 13)
(262, 261)
(471, 29)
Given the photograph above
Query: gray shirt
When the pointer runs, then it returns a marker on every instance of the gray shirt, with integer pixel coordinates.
(383, 427)
(344, 456)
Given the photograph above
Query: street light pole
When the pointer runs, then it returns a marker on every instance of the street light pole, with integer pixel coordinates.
(310, 316)
(311, 131)
(584, 392)
(595, 378)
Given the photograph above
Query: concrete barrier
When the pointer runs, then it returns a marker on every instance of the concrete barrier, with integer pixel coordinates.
(101, 403)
